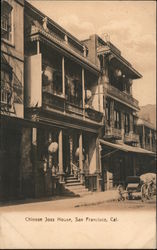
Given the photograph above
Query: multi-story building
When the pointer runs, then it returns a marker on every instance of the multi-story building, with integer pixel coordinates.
(62, 98)
(62, 109)
(147, 134)
(147, 138)
(119, 139)
(11, 95)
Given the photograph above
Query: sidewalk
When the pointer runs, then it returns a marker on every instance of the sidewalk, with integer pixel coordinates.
(61, 202)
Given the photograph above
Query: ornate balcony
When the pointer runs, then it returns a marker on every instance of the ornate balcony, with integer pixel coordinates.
(122, 96)
(113, 133)
(54, 101)
(72, 108)
(131, 137)
(58, 102)
(93, 114)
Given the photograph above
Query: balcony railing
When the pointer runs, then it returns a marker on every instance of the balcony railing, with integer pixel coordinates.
(58, 102)
(131, 137)
(72, 108)
(122, 96)
(113, 133)
(93, 114)
(55, 101)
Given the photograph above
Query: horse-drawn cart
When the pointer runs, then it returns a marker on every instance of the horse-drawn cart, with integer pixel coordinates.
(143, 186)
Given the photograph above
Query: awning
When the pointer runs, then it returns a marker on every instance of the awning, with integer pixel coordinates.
(126, 148)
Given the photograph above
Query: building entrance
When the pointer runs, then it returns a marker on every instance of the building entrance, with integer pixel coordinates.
(70, 153)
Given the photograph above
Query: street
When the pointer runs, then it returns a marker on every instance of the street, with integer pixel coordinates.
(123, 205)
(95, 201)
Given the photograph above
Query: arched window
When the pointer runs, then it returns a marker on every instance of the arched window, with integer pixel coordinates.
(6, 21)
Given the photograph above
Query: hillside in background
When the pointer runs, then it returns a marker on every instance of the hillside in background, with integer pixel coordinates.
(148, 113)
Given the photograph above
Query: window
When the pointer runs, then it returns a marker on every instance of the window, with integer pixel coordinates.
(52, 80)
(126, 123)
(117, 119)
(6, 89)
(6, 21)
(108, 112)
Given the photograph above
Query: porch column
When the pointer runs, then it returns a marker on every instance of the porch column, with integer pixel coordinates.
(131, 123)
(63, 77)
(34, 153)
(60, 154)
(38, 47)
(50, 156)
(112, 113)
(99, 94)
(81, 156)
(98, 164)
(122, 126)
(143, 136)
(71, 154)
(83, 92)
(150, 138)
(34, 137)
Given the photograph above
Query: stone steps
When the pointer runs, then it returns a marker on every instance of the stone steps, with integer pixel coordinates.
(73, 187)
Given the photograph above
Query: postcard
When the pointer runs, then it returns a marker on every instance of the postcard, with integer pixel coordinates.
(78, 125)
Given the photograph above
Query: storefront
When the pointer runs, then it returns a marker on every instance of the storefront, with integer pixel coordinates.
(120, 160)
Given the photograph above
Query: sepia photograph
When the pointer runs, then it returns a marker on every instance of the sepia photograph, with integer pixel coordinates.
(78, 124)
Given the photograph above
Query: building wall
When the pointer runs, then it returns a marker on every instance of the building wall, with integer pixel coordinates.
(14, 54)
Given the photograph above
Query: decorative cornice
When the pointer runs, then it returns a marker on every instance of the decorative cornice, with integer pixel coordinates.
(40, 34)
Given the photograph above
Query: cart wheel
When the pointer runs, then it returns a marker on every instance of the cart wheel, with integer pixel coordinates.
(120, 189)
(150, 191)
(144, 192)
(129, 196)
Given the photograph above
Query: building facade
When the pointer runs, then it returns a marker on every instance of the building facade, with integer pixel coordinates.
(68, 115)
(59, 80)
(121, 152)
(12, 96)
(147, 135)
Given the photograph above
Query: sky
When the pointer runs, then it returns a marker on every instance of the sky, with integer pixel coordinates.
(131, 26)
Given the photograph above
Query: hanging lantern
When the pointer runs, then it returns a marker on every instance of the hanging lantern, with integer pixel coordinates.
(77, 153)
(53, 170)
(88, 94)
(118, 72)
(48, 73)
(53, 147)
